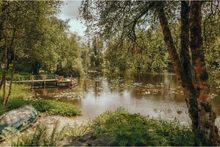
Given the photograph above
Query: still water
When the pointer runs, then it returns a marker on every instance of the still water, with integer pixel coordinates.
(154, 95)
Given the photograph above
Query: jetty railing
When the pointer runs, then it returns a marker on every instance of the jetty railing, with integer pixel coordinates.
(45, 80)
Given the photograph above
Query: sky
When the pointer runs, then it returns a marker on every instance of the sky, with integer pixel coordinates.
(70, 10)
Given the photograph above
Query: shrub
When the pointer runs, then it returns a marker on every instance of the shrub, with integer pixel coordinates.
(21, 96)
(133, 129)
(40, 136)
(114, 128)
(52, 107)
(55, 107)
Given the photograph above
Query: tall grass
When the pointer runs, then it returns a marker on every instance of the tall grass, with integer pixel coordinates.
(40, 136)
(43, 136)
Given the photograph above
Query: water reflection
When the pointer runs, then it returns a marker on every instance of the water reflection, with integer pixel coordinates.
(155, 95)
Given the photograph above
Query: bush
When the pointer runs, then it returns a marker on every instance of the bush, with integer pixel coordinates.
(68, 71)
(114, 128)
(20, 92)
(55, 107)
(127, 129)
(16, 103)
(40, 136)
(52, 107)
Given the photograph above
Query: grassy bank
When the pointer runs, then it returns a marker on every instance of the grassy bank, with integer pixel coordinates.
(21, 96)
(125, 129)
(118, 128)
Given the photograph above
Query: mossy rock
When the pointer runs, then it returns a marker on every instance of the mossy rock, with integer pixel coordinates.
(18, 118)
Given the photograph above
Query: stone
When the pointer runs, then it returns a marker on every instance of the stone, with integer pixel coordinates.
(18, 118)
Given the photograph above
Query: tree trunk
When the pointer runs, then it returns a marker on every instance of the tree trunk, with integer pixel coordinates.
(196, 89)
(5, 69)
(169, 44)
(206, 129)
(10, 85)
(2, 21)
(13, 67)
(183, 76)
(189, 89)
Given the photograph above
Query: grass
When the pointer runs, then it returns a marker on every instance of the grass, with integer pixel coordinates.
(21, 96)
(17, 75)
(40, 135)
(52, 107)
(127, 129)
(55, 107)
(119, 128)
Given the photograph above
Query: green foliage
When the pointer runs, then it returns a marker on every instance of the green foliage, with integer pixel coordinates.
(41, 42)
(21, 96)
(128, 59)
(16, 103)
(214, 63)
(135, 41)
(40, 136)
(211, 45)
(55, 107)
(16, 76)
(69, 71)
(133, 129)
(120, 127)
(19, 93)
(96, 55)
(48, 106)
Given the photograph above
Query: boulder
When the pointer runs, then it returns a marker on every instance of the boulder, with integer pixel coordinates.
(18, 118)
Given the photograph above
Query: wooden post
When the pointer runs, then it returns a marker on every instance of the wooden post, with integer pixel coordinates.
(56, 77)
(71, 81)
(32, 81)
(44, 80)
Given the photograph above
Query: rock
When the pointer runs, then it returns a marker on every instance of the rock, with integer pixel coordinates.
(89, 140)
(86, 137)
(18, 118)
(179, 112)
(102, 141)
(169, 110)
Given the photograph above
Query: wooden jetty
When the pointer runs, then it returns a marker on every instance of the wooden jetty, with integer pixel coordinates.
(42, 81)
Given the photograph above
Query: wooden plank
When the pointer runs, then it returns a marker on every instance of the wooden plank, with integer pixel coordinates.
(35, 81)
(44, 82)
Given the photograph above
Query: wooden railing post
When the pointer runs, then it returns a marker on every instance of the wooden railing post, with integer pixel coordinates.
(32, 81)
(44, 77)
